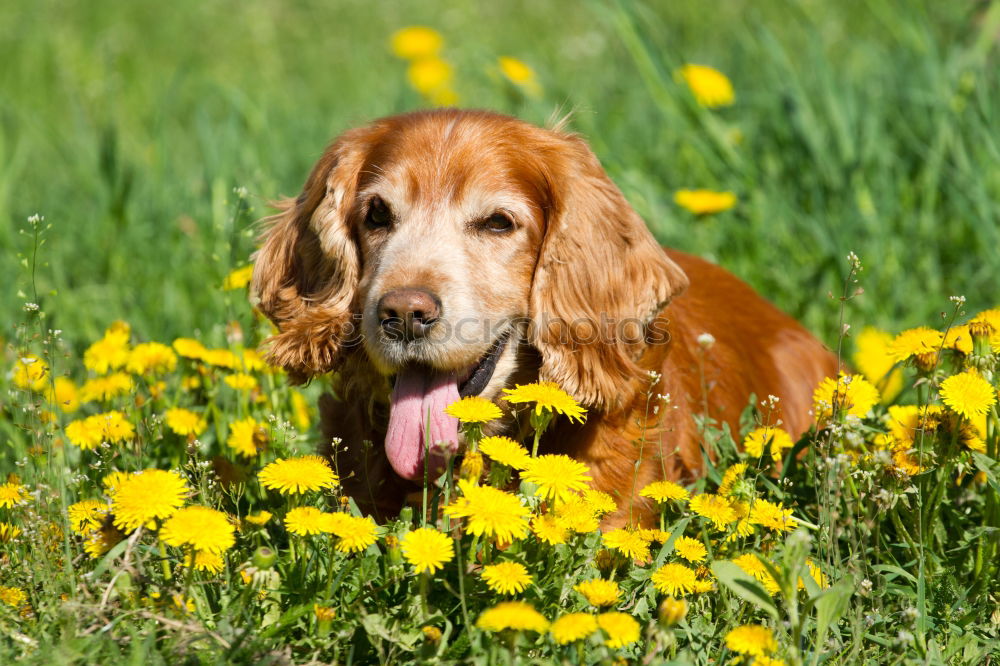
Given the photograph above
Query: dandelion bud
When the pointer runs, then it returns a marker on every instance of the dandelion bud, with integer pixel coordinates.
(432, 634)
(980, 328)
(324, 613)
(672, 611)
(605, 560)
(406, 514)
(395, 553)
(472, 466)
(264, 558)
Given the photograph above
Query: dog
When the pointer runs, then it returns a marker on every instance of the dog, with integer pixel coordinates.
(438, 254)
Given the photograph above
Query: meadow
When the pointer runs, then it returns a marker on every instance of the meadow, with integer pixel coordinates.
(840, 157)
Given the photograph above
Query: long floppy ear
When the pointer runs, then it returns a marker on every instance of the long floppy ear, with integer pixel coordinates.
(600, 280)
(306, 272)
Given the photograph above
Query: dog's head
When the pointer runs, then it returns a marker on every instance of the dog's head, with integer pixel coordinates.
(436, 243)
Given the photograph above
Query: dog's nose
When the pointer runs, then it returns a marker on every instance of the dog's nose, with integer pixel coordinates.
(408, 313)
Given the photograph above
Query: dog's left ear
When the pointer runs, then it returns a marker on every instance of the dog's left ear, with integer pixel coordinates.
(600, 280)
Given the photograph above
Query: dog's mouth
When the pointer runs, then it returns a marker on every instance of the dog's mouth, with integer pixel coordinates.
(418, 427)
(480, 375)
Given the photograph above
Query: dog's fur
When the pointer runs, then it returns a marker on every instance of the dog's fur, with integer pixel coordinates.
(577, 254)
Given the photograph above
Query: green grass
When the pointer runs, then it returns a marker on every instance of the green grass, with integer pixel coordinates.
(136, 128)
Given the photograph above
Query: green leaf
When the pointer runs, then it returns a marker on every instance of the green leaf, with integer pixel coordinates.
(830, 606)
(744, 586)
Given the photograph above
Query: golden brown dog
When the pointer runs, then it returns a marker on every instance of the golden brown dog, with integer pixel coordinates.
(446, 253)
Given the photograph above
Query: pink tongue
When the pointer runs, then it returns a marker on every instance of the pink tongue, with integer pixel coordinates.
(417, 397)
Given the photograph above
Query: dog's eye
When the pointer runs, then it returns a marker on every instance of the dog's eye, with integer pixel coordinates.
(379, 215)
(498, 223)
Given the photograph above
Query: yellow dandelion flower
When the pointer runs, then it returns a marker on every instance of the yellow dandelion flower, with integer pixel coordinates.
(293, 476)
(672, 611)
(151, 358)
(222, 358)
(711, 88)
(115, 427)
(659, 536)
(573, 627)
(704, 202)
(31, 372)
(200, 527)
(87, 433)
(513, 615)
(620, 628)
(110, 352)
(205, 560)
(520, 74)
(473, 409)
(548, 529)
(184, 422)
(546, 396)
(13, 596)
(665, 491)
(427, 549)
(103, 539)
(109, 387)
(415, 42)
(761, 438)
(751, 639)
(772, 516)
(258, 519)
(916, 342)
(8, 532)
(113, 481)
(191, 383)
(631, 543)
(506, 577)
(968, 394)
(505, 451)
(958, 338)
(429, 75)
(307, 520)
(190, 348)
(87, 515)
(13, 494)
(730, 477)
(851, 393)
(752, 565)
(715, 508)
(490, 512)
(238, 278)
(64, 394)
(147, 495)
(690, 549)
(675, 580)
(355, 533)
(599, 592)
(600, 501)
(577, 515)
(247, 437)
(874, 358)
(817, 575)
(301, 413)
(702, 586)
(240, 381)
(557, 476)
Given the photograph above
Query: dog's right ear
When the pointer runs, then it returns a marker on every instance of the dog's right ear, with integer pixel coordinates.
(306, 271)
